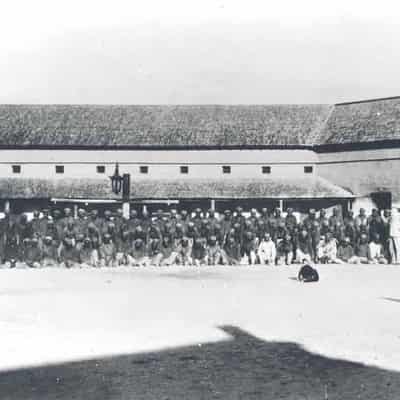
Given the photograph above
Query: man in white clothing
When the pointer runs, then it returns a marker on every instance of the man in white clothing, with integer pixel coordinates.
(267, 250)
(376, 255)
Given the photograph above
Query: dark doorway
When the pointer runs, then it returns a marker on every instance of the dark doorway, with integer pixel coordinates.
(383, 200)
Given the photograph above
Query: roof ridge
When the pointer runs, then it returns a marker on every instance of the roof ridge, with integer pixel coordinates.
(367, 100)
(318, 130)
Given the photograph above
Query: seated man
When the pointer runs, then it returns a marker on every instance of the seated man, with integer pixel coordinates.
(232, 251)
(138, 255)
(267, 250)
(328, 250)
(49, 252)
(215, 255)
(32, 253)
(124, 248)
(68, 254)
(184, 252)
(362, 249)
(249, 247)
(168, 252)
(155, 254)
(85, 253)
(304, 247)
(199, 252)
(376, 254)
(345, 252)
(285, 250)
(107, 252)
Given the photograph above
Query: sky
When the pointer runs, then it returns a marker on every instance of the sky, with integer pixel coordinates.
(198, 52)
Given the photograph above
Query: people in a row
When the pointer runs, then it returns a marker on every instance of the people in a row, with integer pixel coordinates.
(198, 238)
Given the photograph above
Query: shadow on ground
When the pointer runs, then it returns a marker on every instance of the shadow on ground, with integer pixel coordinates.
(243, 367)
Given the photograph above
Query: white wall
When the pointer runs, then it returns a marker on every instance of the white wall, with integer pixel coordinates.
(363, 171)
(162, 164)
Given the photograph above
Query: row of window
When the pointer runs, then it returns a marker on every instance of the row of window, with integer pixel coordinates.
(144, 169)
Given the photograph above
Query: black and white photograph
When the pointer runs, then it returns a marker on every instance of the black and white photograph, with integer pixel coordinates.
(199, 200)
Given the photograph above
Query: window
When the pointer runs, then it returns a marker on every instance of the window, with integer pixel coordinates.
(101, 169)
(59, 169)
(16, 169)
(144, 169)
(266, 169)
(184, 169)
(226, 169)
(308, 169)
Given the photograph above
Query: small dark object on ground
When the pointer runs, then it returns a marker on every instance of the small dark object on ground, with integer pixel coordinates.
(308, 274)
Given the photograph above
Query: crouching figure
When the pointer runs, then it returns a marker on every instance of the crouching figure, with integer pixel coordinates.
(308, 274)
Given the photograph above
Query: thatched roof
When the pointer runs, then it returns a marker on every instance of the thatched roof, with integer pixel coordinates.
(209, 126)
(279, 188)
(30, 188)
(365, 121)
(165, 126)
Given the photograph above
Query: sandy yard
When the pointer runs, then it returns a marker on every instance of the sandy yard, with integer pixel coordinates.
(53, 316)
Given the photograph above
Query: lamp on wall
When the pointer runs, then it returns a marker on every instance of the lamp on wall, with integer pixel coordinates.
(116, 180)
(122, 183)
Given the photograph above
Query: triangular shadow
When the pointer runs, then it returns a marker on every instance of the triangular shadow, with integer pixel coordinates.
(242, 367)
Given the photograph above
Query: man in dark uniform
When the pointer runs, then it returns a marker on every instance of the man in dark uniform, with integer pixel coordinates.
(119, 220)
(197, 218)
(25, 230)
(232, 251)
(254, 219)
(68, 217)
(192, 232)
(226, 222)
(290, 221)
(32, 253)
(49, 252)
(35, 222)
(68, 253)
(249, 247)
(273, 223)
(323, 219)
(184, 218)
(12, 242)
(375, 224)
(212, 220)
(52, 231)
(43, 221)
(134, 221)
(264, 216)
(81, 222)
(312, 226)
(199, 252)
(335, 217)
(94, 219)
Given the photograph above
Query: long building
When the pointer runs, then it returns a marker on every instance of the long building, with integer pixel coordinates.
(304, 156)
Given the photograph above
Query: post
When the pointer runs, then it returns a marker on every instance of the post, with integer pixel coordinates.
(126, 209)
(281, 205)
(126, 190)
(7, 207)
(144, 209)
(75, 211)
(212, 204)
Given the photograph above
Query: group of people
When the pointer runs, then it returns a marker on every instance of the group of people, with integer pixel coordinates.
(56, 237)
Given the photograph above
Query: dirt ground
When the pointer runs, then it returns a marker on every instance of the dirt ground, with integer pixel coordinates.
(200, 333)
